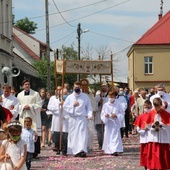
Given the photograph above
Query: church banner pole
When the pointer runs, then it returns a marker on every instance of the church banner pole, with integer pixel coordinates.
(55, 69)
(61, 116)
(101, 101)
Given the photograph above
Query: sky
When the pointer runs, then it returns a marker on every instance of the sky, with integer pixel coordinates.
(114, 25)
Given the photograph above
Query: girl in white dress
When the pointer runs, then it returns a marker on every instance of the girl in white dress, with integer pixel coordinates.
(14, 149)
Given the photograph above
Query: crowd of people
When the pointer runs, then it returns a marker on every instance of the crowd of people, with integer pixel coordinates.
(68, 118)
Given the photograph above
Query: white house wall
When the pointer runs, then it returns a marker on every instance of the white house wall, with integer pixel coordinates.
(22, 53)
(30, 42)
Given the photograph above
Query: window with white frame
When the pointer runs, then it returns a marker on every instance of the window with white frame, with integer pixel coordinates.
(148, 65)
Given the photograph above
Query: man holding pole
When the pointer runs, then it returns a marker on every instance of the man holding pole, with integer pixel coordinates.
(79, 108)
(101, 99)
(59, 124)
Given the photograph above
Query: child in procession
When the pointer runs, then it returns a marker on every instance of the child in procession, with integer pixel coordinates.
(111, 115)
(158, 123)
(14, 149)
(29, 136)
(140, 123)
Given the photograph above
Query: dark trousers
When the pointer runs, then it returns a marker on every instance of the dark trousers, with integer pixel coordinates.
(122, 131)
(127, 114)
(100, 134)
(56, 138)
(64, 142)
(37, 147)
(126, 129)
(28, 160)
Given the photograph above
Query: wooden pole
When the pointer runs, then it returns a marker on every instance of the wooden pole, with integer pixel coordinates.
(101, 100)
(61, 116)
(55, 69)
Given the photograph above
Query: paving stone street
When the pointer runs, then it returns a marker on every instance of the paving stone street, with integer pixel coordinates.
(48, 160)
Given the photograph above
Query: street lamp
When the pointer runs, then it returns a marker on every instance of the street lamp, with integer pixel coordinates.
(79, 32)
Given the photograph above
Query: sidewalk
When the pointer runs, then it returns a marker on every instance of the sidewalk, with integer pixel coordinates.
(96, 160)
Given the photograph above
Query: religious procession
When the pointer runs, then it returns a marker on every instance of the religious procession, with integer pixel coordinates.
(68, 120)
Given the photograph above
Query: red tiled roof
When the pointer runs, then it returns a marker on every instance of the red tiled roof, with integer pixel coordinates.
(26, 48)
(158, 33)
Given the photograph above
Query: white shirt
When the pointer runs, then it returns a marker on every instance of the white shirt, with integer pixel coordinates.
(28, 136)
(9, 101)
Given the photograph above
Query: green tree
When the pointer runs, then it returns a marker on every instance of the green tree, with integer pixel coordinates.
(41, 66)
(26, 25)
(69, 53)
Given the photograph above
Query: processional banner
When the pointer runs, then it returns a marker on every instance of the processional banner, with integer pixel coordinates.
(84, 66)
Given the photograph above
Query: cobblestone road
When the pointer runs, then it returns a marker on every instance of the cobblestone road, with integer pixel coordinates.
(96, 160)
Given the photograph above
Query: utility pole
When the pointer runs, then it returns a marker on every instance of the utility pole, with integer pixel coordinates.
(48, 46)
(78, 37)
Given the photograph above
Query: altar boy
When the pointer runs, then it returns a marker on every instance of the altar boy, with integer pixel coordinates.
(111, 115)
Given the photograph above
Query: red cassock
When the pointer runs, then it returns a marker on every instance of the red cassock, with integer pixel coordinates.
(158, 154)
(141, 123)
(8, 114)
(165, 117)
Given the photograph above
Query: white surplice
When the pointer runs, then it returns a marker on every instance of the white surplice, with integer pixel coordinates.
(123, 102)
(112, 137)
(57, 117)
(35, 103)
(91, 128)
(163, 135)
(165, 97)
(11, 103)
(78, 130)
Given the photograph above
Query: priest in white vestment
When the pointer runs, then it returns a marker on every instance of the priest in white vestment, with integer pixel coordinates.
(111, 116)
(85, 89)
(79, 108)
(30, 104)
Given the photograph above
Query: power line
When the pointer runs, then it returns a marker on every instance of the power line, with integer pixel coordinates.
(63, 37)
(41, 16)
(90, 31)
(62, 15)
(67, 40)
(88, 15)
(111, 37)
(121, 51)
(77, 8)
